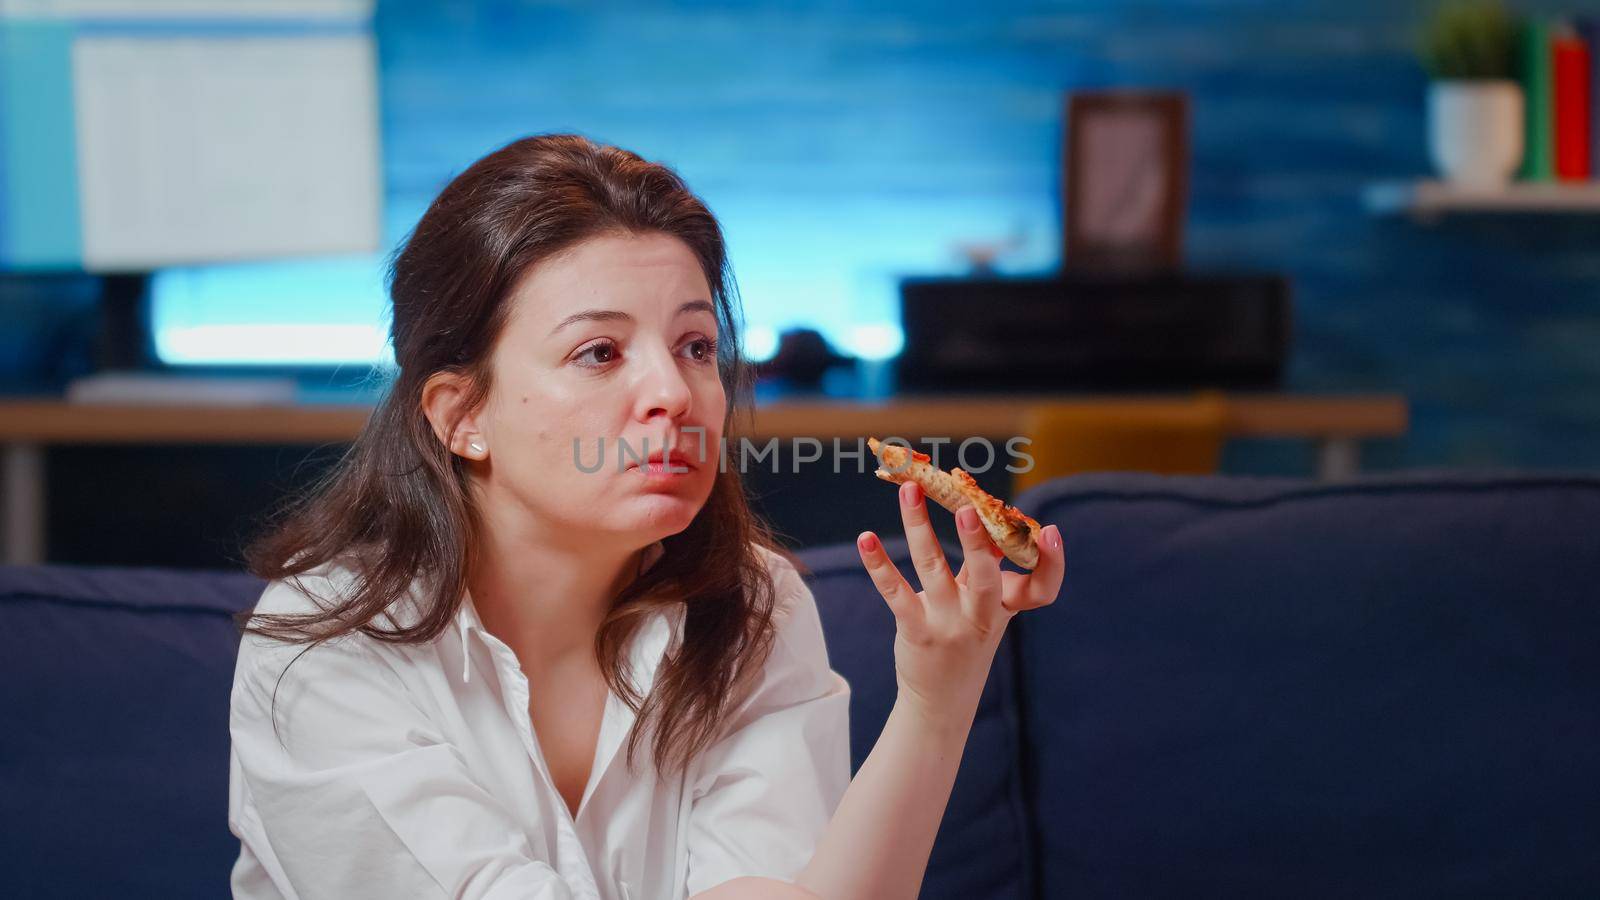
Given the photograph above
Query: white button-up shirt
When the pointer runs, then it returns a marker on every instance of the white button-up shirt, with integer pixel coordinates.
(412, 770)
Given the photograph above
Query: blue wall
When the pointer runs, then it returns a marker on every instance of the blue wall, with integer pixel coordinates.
(854, 143)
(851, 144)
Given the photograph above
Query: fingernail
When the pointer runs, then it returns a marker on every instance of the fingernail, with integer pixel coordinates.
(908, 494)
(867, 543)
(1053, 537)
(967, 519)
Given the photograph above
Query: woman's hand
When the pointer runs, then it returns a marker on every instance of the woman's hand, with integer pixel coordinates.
(946, 634)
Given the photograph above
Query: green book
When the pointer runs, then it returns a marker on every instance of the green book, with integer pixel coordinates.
(1538, 89)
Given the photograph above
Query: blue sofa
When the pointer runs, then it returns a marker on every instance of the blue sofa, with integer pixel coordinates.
(1382, 687)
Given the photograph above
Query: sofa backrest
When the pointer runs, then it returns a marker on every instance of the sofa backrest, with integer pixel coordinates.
(114, 691)
(1389, 686)
(983, 847)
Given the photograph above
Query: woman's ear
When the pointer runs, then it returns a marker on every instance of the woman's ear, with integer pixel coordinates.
(442, 402)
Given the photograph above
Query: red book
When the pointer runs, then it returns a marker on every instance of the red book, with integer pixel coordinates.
(1571, 64)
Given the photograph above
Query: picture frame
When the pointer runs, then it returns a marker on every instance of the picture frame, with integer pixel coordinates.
(1126, 180)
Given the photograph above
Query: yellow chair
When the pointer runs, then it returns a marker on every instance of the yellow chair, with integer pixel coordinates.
(1173, 437)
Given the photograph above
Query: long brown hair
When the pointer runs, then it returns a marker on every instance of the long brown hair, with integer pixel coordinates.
(396, 505)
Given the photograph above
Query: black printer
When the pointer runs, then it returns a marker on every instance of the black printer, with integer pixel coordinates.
(1093, 331)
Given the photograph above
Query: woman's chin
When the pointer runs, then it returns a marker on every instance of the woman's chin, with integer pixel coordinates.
(664, 513)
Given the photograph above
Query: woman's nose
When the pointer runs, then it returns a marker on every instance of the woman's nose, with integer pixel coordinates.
(663, 387)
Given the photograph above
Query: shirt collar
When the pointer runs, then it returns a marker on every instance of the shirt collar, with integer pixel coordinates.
(467, 617)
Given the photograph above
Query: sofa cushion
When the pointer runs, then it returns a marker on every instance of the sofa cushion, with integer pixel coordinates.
(115, 687)
(114, 693)
(982, 847)
(1388, 686)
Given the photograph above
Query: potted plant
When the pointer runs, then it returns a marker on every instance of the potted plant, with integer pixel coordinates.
(1475, 105)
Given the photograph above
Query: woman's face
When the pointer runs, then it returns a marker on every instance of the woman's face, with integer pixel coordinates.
(610, 345)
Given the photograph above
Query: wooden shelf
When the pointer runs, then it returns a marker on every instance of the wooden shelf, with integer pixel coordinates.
(27, 426)
(1430, 199)
(1269, 414)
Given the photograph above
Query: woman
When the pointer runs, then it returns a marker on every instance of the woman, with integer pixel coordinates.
(531, 560)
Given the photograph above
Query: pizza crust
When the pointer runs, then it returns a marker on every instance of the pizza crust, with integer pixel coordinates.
(1012, 531)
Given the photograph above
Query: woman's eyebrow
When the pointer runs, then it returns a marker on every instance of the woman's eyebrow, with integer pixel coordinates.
(617, 315)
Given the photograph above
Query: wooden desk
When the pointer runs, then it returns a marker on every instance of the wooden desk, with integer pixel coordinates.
(1337, 423)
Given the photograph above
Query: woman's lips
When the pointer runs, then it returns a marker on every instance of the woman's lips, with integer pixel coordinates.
(659, 470)
(675, 465)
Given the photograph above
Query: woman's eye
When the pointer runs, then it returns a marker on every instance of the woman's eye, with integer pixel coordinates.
(602, 353)
(702, 349)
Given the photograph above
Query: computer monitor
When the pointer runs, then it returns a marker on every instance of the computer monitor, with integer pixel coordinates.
(142, 134)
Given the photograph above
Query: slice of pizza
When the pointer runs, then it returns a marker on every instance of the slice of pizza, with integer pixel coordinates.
(1013, 532)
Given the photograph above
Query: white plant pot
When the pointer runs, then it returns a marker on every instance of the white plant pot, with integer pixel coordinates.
(1475, 131)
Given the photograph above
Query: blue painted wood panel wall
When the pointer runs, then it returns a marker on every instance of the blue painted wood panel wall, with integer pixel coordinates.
(849, 143)
(852, 142)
